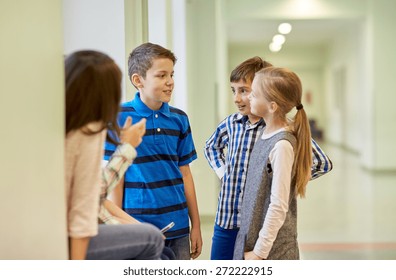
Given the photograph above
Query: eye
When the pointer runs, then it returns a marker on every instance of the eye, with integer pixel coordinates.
(245, 92)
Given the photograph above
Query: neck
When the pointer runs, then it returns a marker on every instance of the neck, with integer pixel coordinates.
(153, 105)
(273, 124)
(253, 119)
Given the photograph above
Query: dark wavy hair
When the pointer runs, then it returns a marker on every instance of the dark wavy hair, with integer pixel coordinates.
(93, 91)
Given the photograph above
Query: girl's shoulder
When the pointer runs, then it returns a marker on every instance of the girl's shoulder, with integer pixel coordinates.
(87, 131)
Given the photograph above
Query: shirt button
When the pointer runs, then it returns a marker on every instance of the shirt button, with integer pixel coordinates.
(156, 115)
(158, 129)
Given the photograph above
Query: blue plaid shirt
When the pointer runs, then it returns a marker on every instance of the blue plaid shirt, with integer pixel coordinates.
(228, 151)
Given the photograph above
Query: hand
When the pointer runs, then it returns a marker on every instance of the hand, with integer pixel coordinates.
(196, 242)
(133, 134)
(251, 256)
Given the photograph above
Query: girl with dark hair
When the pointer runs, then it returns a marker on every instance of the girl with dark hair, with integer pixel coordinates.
(93, 95)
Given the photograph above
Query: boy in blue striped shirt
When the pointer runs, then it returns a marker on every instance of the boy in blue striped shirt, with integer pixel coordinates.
(237, 134)
(158, 187)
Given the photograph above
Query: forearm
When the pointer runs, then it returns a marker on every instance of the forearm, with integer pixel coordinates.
(195, 234)
(117, 194)
(118, 213)
(116, 167)
(78, 248)
(192, 205)
(191, 198)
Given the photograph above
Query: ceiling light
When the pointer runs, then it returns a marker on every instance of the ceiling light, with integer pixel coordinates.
(279, 39)
(284, 28)
(274, 47)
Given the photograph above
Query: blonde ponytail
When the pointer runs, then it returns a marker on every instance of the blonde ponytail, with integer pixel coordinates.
(303, 153)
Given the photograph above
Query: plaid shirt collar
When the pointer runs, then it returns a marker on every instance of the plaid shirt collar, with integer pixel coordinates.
(245, 119)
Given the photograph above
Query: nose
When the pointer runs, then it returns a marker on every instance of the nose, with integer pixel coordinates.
(170, 81)
(237, 97)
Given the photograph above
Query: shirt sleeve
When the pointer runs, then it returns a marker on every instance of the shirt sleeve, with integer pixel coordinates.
(281, 158)
(116, 166)
(83, 201)
(215, 147)
(321, 164)
(186, 149)
(111, 174)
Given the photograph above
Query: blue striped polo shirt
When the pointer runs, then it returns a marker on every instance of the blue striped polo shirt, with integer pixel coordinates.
(153, 187)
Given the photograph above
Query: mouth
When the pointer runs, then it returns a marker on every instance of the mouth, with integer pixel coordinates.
(167, 92)
(241, 107)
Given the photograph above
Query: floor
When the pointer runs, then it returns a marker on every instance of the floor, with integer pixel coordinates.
(348, 214)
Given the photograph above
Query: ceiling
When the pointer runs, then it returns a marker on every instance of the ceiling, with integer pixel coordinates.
(256, 21)
(304, 32)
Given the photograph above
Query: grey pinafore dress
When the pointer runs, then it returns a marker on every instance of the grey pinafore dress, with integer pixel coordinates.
(256, 201)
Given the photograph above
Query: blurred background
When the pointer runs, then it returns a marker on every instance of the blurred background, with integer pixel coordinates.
(341, 49)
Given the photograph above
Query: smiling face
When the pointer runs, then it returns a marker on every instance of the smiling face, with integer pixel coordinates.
(156, 88)
(241, 91)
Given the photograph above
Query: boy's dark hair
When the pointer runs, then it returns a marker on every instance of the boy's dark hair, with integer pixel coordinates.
(246, 70)
(141, 58)
(93, 91)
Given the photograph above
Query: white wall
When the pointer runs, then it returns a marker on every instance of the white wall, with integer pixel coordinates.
(344, 109)
(159, 22)
(33, 224)
(136, 32)
(382, 14)
(167, 27)
(97, 25)
(201, 73)
(223, 75)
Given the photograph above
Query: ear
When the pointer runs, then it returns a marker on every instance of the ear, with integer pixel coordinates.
(136, 81)
(273, 107)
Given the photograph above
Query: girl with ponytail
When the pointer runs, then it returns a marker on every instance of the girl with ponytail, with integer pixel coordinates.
(279, 168)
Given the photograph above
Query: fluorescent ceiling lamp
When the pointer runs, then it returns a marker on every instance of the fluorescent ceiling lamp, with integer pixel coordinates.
(279, 39)
(284, 28)
(274, 47)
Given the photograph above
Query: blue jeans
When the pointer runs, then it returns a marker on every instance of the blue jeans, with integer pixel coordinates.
(223, 242)
(180, 246)
(126, 242)
(168, 254)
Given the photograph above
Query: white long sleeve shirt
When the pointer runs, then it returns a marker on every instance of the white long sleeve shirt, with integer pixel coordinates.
(281, 158)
